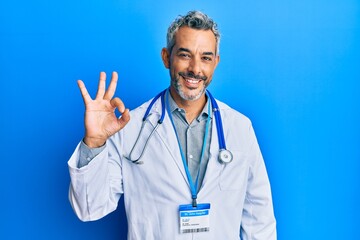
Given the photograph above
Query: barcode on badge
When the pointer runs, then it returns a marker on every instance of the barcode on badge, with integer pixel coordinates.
(206, 229)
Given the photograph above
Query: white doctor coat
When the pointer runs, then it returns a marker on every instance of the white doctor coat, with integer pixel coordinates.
(239, 192)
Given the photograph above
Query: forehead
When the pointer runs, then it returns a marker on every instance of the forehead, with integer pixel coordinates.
(194, 39)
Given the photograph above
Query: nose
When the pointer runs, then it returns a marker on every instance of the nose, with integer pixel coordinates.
(195, 66)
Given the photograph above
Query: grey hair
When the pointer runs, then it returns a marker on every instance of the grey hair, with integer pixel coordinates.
(196, 20)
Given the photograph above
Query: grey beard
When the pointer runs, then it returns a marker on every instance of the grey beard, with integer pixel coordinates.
(177, 87)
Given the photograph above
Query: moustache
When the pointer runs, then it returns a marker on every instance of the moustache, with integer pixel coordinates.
(192, 75)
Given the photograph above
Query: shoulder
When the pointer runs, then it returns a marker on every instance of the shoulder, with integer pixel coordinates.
(138, 113)
(140, 110)
(232, 115)
(238, 130)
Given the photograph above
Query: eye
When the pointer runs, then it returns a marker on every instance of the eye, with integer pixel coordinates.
(207, 58)
(184, 55)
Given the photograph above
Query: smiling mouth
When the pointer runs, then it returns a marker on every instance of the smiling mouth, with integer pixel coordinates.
(192, 80)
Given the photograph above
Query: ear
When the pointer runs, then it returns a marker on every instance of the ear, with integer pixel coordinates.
(165, 55)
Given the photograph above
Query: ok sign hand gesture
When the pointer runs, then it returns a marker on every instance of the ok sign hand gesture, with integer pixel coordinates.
(100, 119)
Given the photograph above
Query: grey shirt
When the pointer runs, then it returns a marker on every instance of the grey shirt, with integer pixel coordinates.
(190, 135)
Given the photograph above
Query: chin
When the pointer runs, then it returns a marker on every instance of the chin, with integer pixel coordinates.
(190, 96)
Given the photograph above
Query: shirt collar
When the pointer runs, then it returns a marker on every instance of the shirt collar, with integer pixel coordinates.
(202, 116)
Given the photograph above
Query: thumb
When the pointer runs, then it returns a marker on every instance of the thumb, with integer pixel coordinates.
(124, 119)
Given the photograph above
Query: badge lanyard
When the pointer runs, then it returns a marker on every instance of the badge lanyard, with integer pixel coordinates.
(193, 186)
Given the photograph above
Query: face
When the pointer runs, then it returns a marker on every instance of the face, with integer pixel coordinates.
(191, 63)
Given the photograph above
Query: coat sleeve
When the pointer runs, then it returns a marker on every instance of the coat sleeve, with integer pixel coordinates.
(96, 188)
(258, 220)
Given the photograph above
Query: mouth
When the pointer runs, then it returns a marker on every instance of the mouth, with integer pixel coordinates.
(192, 80)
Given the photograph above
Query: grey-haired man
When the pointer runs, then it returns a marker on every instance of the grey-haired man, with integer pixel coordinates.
(188, 165)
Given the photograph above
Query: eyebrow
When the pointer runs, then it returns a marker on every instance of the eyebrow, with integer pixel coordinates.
(208, 53)
(183, 50)
(187, 50)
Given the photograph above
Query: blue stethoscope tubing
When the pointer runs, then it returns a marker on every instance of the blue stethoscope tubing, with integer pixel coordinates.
(225, 156)
(147, 114)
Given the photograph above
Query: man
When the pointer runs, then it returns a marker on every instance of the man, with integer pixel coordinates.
(178, 178)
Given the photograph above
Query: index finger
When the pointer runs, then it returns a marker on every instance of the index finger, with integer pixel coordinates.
(84, 93)
(112, 86)
(101, 86)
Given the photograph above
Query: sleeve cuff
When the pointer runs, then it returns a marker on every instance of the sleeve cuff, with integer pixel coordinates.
(87, 154)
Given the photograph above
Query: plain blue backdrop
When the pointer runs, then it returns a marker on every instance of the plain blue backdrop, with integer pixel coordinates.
(293, 67)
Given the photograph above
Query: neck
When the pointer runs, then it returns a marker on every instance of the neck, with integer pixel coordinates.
(192, 107)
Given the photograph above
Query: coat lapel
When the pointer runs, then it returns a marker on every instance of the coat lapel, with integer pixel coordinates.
(167, 137)
(214, 167)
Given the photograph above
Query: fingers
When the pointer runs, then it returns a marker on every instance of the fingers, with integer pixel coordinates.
(125, 118)
(125, 115)
(101, 88)
(85, 95)
(112, 87)
(102, 93)
(117, 103)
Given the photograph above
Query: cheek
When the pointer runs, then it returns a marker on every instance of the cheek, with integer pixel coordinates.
(179, 65)
(209, 73)
(211, 69)
(173, 71)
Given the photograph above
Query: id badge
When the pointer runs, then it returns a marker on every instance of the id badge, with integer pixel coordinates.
(194, 219)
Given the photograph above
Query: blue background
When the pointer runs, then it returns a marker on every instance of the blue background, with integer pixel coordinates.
(293, 67)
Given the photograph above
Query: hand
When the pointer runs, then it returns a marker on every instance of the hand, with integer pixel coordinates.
(100, 119)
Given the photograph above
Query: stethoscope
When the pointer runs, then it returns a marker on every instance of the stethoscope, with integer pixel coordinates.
(225, 156)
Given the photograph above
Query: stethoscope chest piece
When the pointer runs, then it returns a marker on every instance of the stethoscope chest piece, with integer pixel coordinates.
(225, 156)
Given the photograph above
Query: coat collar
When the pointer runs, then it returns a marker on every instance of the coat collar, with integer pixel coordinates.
(168, 138)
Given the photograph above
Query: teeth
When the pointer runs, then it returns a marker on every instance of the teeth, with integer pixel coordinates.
(192, 81)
